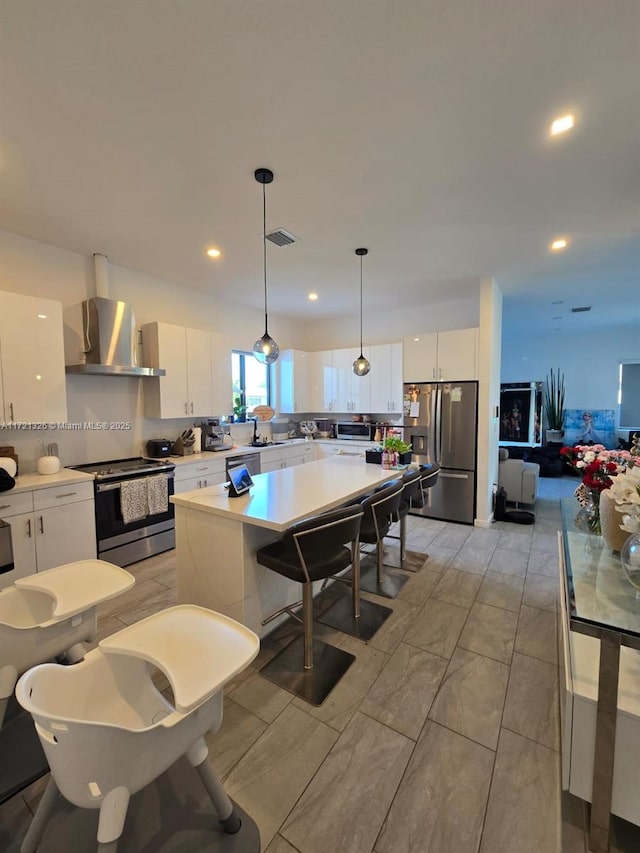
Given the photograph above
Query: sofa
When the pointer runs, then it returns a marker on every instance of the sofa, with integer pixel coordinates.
(518, 478)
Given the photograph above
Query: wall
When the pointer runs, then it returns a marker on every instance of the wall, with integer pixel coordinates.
(590, 363)
(488, 398)
(34, 268)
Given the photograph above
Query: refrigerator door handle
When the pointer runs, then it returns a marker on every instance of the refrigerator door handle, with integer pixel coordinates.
(453, 476)
(438, 424)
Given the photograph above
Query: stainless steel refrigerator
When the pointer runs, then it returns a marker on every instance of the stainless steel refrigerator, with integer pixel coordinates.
(439, 421)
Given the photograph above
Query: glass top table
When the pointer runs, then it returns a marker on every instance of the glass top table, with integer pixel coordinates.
(601, 603)
(598, 591)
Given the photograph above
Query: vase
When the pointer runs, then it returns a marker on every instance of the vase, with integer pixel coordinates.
(610, 519)
(630, 559)
(588, 517)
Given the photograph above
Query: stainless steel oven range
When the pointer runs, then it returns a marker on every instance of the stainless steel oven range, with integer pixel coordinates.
(125, 542)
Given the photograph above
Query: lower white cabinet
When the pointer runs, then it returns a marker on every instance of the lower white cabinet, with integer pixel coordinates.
(286, 457)
(198, 475)
(49, 527)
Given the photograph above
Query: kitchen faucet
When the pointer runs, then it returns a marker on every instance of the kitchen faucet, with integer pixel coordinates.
(255, 431)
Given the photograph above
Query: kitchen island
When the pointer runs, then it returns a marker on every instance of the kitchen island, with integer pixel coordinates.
(217, 537)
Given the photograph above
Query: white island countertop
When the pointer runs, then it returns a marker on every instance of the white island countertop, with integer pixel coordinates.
(280, 498)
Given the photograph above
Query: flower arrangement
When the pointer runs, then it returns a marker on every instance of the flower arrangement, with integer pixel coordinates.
(598, 467)
(625, 490)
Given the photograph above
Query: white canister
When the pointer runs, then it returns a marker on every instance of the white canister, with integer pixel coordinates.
(48, 465)
(197, 433)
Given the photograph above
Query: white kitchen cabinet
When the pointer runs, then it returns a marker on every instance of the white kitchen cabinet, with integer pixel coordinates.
(198, 475)
(221, 374)
(441, 356)
(321, 381)
(49, 527)
(286, 456)
(386, 378)
(351, 393)
(293, 382)
(31, 360)
(187, 388)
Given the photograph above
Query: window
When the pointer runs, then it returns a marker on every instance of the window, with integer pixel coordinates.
(251, 382)
(629, 395)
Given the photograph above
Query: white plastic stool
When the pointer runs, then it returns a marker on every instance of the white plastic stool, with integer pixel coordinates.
(52, 612)
(107, 731)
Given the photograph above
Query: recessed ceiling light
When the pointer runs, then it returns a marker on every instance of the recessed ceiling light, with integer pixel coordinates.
(312, 297)
(559, 244)
(562, 124)
(213, 253)
(42, 316)
(416, 339)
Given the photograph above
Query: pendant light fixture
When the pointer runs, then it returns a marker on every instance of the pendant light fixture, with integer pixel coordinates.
(361, 365)
(265, 349)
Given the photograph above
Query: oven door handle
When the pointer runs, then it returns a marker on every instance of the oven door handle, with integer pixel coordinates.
(110, 487)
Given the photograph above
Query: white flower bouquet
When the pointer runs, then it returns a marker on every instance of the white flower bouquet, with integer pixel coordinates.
(625, 489)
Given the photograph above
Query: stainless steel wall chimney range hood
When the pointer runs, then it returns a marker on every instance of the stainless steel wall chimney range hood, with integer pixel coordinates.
(109, 334)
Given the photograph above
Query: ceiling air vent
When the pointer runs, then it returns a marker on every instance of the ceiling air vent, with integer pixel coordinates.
(281, 237)
(581, 310)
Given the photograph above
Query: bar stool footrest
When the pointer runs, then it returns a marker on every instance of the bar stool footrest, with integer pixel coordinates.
(340, 616)
(312, 685)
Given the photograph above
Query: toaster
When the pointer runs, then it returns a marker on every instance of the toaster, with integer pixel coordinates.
(158, 448)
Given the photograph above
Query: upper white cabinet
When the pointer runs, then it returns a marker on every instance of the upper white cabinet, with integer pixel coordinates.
(386, 378)
(351, 393)
(441, 356)
(293, 382)
(186, 355)
(31, 360)
(321, 380)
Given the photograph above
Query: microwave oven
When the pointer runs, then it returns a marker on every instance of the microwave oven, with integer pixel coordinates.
(355, 430)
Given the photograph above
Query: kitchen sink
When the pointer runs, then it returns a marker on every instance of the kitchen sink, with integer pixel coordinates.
(266, 443)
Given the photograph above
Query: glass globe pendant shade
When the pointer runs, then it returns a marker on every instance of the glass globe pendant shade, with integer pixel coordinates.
(361, 366)
(630, 559)
(266, 350)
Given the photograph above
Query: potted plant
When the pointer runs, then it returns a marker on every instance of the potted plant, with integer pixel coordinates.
(239, 408)
(554, 406)
(393, 444)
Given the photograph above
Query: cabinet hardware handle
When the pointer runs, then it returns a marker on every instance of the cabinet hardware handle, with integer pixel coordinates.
(192, 408)
(440, 372)
(5, 506)
(29, 528)
(41, 524)
(433, 373)
(186, 408)
(204, 468)
(11, 411)
(66, 494)
(199, 484)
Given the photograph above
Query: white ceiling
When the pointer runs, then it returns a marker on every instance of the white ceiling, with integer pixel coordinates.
(417, 128)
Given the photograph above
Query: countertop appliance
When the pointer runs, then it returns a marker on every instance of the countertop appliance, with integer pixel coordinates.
(250, 460)
(440, 423)
(212, 437)
(158, 448)
(125, 543)
(357, 430)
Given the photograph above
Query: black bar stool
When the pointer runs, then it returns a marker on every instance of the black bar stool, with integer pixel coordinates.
(428, 480)
(312, 550)
(379, 508)
(411, 561)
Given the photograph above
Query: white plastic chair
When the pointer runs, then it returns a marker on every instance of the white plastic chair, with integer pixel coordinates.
(52, 613)
(107, 731)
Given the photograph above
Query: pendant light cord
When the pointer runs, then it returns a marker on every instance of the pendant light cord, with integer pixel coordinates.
(264, 251)
(361, 305)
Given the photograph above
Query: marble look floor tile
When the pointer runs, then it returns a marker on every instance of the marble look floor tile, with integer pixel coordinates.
(435, 810)
(490, 631)
(531, 706)
(161, 570)
(343, 701)
(158, 598)
(471, 697)
(421, 584)
(472, 559)
(453, 536)
(546, 541)
(483, 539)
(512, 540)
(523, 815)
(440, 557)
(262, 697)
(437, 627)
(403, 693)
(541, 591)
(457, 587)
(15, 819)
(274, 772)
(349, 796)
(32, 794)
(391, 633)
(240, 729)
(537, 634)
(501, 590)
(280, 845)
(107, 626)
(541, 563)
(508, 562)
(129, 600)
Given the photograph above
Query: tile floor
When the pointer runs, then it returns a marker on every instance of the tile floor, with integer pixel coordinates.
(443, 736)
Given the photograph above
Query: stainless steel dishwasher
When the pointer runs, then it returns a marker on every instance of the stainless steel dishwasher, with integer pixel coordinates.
(251, 460)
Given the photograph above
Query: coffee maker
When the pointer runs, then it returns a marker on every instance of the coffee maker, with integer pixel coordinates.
(212, 436)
